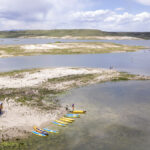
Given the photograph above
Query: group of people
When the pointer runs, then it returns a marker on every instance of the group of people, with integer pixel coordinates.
(67, 107)
(1, 107)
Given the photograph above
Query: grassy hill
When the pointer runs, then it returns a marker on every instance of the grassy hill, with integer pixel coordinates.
(70, 32)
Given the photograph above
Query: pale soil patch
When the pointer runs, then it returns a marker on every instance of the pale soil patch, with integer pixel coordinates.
(65, 48)
(37, 78)
(75, 48)
(39, 47)
(18, 120)
(47, 47)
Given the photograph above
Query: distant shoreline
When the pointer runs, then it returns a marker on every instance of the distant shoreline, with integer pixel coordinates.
(60, 48)
(84, 37)
(82, 33)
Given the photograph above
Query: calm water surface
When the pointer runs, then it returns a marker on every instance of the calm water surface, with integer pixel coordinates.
(133, 62)
(117, 119)
(17, 41)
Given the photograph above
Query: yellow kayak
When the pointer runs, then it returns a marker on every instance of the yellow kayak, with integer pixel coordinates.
(65, 120)
(78, 112)
(61, 122)
(39, 130)
(70, 119)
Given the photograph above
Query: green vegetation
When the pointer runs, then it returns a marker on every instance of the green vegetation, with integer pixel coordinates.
(44, 96)
(124, 76)
(33, 96)
(9, 145)
(41, 96)
(82, 78)
(58, 42)
(17, 73)
(70, 32)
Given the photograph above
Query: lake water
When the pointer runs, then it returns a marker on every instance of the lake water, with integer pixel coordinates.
(18, 41)
(117, 118)
(133, 62)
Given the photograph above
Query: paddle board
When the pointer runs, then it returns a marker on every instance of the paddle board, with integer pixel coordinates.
(37, 133)
(72, 115)
(65, 120)
(59, 124)
(71, 119)
(51, 131)
(62, 122)
(40, 130)
(78, 112)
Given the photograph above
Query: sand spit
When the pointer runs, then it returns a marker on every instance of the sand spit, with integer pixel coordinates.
(65, 48)
(28, 79)
(41, 76)
(75, 48)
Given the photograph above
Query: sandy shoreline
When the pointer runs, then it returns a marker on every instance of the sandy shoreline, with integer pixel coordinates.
(28, 79)
(65, 48)
(18, 119)
(87, 37)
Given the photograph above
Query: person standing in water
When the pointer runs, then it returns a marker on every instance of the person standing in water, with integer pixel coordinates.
(72, 107)
(1, 107)
(67, 109)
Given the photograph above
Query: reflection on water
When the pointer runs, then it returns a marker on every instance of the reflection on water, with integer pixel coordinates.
(117, 119)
